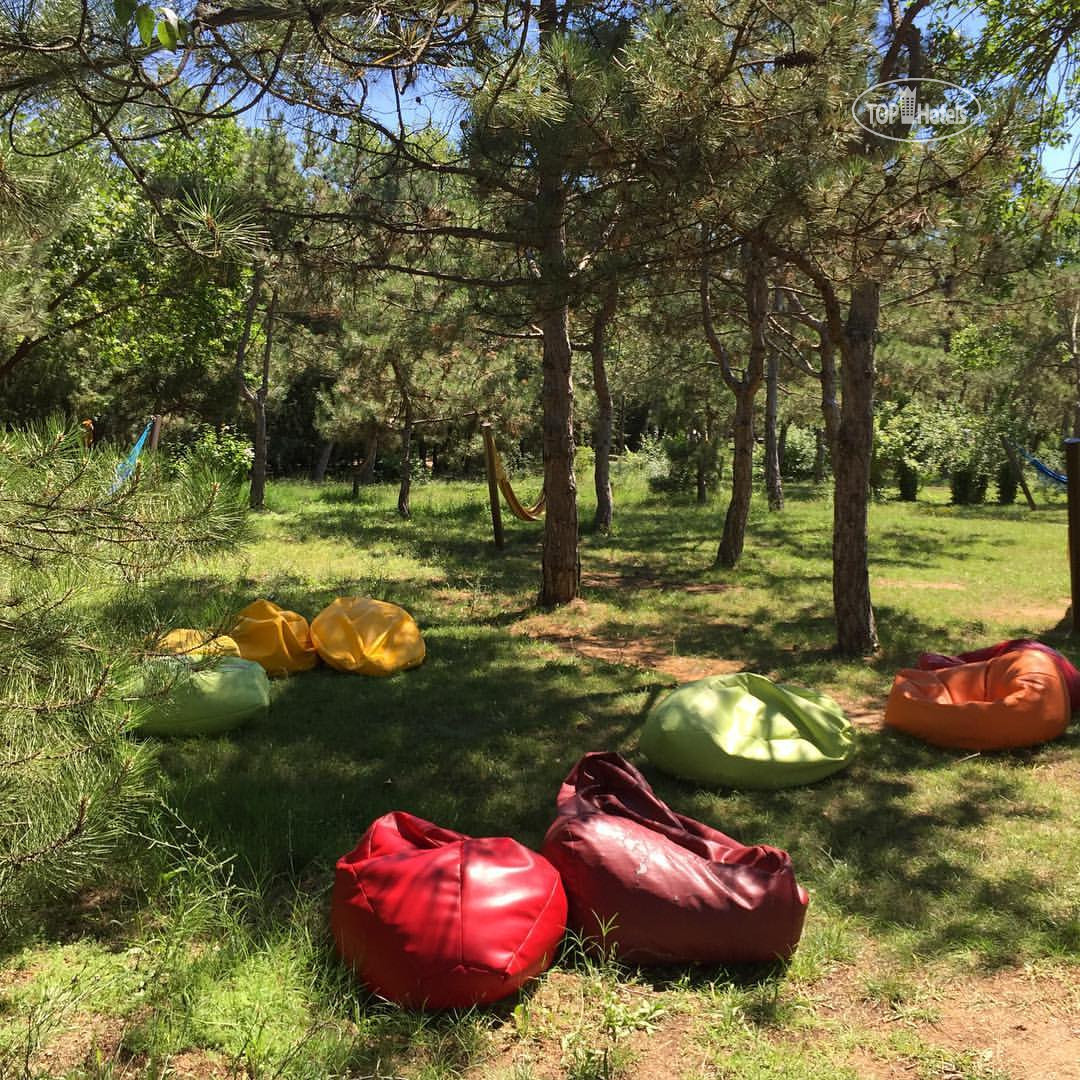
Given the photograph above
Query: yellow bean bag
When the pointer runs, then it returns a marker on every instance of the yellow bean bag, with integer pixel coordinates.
(279, 640)
(367, 637)
(188, 642)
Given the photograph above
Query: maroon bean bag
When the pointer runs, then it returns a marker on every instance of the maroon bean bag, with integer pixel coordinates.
(671, 889)
(430, 918)
(936, 661)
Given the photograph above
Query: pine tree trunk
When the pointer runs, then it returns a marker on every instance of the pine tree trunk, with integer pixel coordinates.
(742, 479)
(560, 566)
(559, 563)
(604, 413)
(405, 485)
(819, 456)
(318, 470)
(371, 452)
(258, 464)
(702, 459)
(856, 631)
(773, 484)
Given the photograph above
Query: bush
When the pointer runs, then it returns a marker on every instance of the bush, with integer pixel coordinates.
(223, 451)
(683, 457)
(800, 449)
(907, 479)
(1007, 484)
(968, 486)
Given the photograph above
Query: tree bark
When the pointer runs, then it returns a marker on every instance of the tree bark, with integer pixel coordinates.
(856, 630)
(401, 377)
(257, 398)
(604, 411)
(405, 484)
(774, 486)
(819, 456)
(742, 479)
(560, 565)
(318, 470)
(745, 388)
(258, 465)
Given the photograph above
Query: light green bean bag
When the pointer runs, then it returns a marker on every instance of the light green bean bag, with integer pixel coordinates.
(744, 731)
(186, 698)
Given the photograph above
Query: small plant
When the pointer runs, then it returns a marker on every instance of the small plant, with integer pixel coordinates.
(223, 450)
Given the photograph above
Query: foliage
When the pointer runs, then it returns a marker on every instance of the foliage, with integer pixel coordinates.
(800, 453)
(72, 784)
(221, 450)
(687, 458)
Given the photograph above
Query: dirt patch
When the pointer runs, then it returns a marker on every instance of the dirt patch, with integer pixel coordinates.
(639, 579)
(1026, 1025)
(1021, 1023)
(867, 713)
(647, 653)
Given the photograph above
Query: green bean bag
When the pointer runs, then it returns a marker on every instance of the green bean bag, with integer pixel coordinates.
(744, 731)
(186, 698)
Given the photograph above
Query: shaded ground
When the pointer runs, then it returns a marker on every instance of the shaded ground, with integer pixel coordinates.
(944, 936)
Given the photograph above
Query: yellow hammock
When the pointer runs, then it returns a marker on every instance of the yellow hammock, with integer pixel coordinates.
(517, 508)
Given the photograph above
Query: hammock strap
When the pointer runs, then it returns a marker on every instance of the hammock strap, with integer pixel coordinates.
(127, 467)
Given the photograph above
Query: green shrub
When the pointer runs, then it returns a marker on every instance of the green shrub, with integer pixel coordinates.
(800, 449)
(224, 451)
(683, 456)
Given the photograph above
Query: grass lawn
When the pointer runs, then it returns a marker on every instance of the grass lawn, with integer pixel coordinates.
(943, 936)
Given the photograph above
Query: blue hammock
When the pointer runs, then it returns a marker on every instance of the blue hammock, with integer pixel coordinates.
(1043, 469)
(127, 467)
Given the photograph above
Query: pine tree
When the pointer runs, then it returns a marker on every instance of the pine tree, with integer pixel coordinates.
(73, 785)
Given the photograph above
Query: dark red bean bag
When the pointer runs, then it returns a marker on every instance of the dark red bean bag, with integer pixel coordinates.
(433, 919)
(672, 890)
(936, 661)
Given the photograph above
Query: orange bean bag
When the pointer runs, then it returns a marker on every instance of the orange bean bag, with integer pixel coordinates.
(1018, 699)
(279, 640)
(367, 637)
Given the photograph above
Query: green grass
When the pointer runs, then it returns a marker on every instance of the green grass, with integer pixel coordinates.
(929, 871)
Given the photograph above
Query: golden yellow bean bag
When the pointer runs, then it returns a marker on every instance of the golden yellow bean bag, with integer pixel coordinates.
(367, 637)
(279, 640)
(186, 642)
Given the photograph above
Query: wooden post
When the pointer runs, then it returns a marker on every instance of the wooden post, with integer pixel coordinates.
(1010, 454)
(1072, 472)
(155, 433)
(493, 483)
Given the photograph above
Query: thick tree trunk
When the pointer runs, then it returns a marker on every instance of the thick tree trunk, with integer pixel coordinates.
(318, 470)
(258, 464)
(774, 486)
(560, 567)
(604, 412)
(856, 631)
(405, 485)
(742, 479)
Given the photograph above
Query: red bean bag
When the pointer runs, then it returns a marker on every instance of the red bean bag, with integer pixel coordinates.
(433, 919)
(670, 889)
(930, 661)
(1016, 699)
